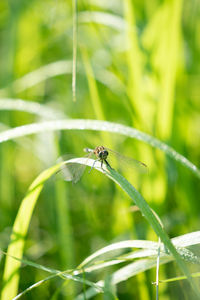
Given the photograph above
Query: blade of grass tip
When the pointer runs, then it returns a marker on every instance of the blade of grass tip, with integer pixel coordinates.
(74, 67)
(20, 228)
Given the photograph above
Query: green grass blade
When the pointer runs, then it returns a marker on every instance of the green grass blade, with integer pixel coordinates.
(39, 75)
(150, 249)
(148, 214)
(67, 275)
(146, 211)
(11, 274)
(178, 278)
(20, 228)
(95, 125)
(120, 245)
(58, 68)
(31, 107)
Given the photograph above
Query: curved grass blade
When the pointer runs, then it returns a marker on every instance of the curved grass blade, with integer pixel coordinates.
(127, 272)
(20, 228)
(62, 67)
(98, 126)
(117, 246)
(150, 249)
(149, 215)
(124, 274)
(67, 275)
(39, 75)
(194, 275)
(30, 107)
(11, 274)
(146, 211)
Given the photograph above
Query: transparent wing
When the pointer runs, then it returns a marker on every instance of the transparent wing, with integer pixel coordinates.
(126, 161)
(72, 171)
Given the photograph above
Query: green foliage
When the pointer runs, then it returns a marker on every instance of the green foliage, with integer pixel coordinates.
(123, 74)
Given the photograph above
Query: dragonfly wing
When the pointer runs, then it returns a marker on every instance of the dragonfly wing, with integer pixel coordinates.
(72, 171)
(127, 161)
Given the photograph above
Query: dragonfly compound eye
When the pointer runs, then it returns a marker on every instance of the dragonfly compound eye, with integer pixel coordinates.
(103, 154)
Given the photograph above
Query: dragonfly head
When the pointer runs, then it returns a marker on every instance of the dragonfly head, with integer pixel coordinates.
(103, 154)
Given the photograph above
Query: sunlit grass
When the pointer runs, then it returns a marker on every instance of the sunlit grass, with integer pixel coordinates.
(133, 70)
(11, 273)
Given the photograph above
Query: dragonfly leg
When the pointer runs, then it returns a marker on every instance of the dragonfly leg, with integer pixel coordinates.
(107, 163)
(93, 165)
(102, 166)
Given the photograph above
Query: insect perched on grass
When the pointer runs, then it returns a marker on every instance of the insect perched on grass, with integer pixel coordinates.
(73, 171)
(101, 153)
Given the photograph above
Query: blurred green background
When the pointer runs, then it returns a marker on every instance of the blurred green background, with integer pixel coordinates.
(137, 65)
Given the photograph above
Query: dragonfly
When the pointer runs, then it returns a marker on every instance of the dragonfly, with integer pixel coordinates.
(73, 171)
